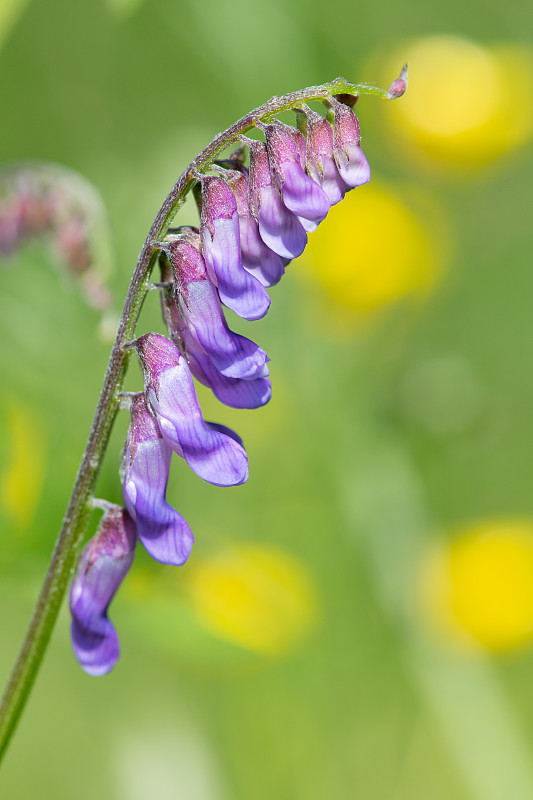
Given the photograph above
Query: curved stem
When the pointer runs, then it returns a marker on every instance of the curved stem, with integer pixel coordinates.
(77, 515)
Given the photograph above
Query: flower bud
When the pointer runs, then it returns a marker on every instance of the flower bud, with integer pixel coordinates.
(101, 569)
(399, 86)
(213, 452)
(351, 161)
(321, 164)
(219, 230)
(162, 530)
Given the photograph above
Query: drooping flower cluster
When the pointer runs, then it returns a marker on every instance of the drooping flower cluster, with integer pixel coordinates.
(254, 220)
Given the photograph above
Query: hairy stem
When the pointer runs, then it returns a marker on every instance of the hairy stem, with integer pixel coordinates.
(79, 509)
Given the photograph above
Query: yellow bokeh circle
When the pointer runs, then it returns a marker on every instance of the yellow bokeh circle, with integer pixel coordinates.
(478, 587)
(466, 104)
(259, 597)
(372, 251)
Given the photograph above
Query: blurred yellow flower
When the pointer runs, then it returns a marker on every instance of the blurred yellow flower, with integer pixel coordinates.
(372, 251)
(466, 104)
(478, 587)
(22, 478)
(256, 596)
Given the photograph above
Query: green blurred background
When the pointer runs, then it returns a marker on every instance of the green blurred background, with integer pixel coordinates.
(357, 620)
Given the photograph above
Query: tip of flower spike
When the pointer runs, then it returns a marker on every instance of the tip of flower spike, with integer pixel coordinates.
(398, 87)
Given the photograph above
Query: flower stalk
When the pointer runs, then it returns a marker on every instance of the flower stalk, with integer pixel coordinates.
(82, 500)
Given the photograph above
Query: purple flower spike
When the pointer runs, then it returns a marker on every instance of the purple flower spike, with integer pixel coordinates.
(232, 355)
(280, 229)
(219, 229)
(351, 161)
(164, 533)
(214, 456)
(233, 392)
(300, 193)
(101, 569)
(257, 258)
(321, 164)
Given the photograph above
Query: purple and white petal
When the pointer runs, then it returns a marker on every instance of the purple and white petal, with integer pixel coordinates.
(101, 569)
(279, 228)
(262, 262)
(349, 157)
(234, 392)
(216, 457)
(321, 165)
(162, 530)
(300, 193)
(221, 247)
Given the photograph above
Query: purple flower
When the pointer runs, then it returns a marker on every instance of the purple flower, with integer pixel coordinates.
(280, 229)
(321, 164)
(268, 267)
(213, 452)
(350, 159)
(234, 392)
(164, 533)
(219, 230)
(101, 569)
(233, 355)
(300, 193)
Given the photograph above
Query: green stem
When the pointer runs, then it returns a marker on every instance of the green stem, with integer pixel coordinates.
(78, 512)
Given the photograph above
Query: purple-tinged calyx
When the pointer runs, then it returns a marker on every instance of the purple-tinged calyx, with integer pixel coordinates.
(262, 262)
(213, 452)
(351, 161)
(279, 228)
(101, 569)
(162, 530)
(320, 162)
(219, 230)
(232, 355)
(300, 193)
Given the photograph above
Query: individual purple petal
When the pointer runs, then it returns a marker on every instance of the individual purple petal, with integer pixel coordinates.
(219, 229)
(214, 456)
(280, 229)
(351, 161)
(321, 165)
(101, 569)
(233, 392)
(162, 530)
(300, 193)
(262, 262)
(233, 355)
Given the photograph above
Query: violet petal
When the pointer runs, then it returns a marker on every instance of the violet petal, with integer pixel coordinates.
(162, 530)
(221, 247)
(101, 569)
